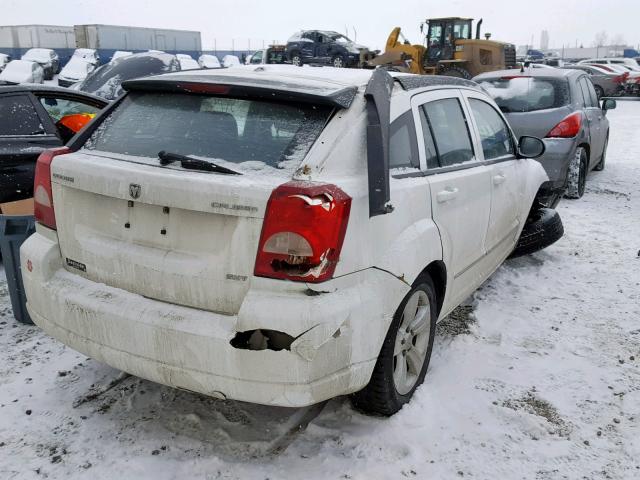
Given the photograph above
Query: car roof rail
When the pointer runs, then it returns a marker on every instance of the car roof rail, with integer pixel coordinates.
(411, 82)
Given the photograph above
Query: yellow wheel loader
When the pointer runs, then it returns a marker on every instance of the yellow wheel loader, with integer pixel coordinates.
(450, 50)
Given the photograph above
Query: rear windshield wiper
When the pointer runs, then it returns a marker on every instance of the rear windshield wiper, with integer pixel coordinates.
(193, 163)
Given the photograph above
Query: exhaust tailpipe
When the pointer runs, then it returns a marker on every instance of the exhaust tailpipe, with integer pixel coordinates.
(478, 29)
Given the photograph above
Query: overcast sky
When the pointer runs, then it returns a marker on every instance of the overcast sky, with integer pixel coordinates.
(245, 21)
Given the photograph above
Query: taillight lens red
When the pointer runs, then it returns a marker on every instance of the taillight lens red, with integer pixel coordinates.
(569, 127)
(303, 231)
(42, 192)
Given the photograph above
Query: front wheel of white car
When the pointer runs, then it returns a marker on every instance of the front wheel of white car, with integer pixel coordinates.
(405, 354)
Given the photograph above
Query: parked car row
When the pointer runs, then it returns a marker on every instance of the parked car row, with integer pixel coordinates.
(610, 76)
(84, 63)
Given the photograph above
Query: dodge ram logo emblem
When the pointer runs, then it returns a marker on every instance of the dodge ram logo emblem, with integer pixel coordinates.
(134, 190)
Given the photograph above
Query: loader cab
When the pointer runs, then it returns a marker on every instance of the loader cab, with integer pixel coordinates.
(442, 34)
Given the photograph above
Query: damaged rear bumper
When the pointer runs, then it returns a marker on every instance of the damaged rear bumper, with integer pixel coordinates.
(336, 331)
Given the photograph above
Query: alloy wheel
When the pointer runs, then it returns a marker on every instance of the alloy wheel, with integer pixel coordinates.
(412, 342)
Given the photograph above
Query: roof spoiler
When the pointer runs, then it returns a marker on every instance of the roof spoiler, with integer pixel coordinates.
(378, 97)
(239, 87)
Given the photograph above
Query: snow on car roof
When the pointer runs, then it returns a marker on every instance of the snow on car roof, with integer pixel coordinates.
(324, 81)
(287, 82)
(23, 66)
(40, 53)
(77, 66)
(301, 75)
(528, 72)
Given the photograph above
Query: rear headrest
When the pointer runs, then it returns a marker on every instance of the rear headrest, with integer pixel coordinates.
(221, 124)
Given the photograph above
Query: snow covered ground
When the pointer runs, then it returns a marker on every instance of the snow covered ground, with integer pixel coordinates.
(539, 378)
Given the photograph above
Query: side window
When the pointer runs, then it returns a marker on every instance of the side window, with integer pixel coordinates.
(583, 93)
(589, 93)
(70, 116)
(592, 93)
(494, 133)
(434, 35)
(57, 108)
(257, 57)
(403, 148)
(429, 145)
(18, 116)
(450, 131)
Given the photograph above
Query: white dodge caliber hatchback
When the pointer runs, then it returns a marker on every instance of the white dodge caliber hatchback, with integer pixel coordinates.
(279, 235)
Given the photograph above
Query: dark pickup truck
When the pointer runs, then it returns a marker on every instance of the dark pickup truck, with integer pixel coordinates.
(34, 118)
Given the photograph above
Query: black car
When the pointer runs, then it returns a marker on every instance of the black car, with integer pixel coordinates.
(324, 47)
(34, 118)
(106, 81)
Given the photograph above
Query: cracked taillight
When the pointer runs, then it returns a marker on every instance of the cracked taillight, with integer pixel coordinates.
(303, 231)
(42, 191)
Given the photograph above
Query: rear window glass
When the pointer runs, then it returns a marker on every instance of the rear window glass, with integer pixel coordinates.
(527, 94)
(243, 132)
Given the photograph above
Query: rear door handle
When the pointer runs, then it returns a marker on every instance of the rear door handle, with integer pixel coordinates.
(447, 195)
(499, 179)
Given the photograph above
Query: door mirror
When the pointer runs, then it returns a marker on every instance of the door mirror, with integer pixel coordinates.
(609, 104)
(530, 147)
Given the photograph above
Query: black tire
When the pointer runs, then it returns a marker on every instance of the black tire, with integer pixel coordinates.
(599, 91)
(380, 396)
(296, 60)
(600, 166)
(542, 228)
(577, 175)
(338, 62)
(457, 71)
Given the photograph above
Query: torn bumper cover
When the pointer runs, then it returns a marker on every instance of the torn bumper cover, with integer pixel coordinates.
(335, 336)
